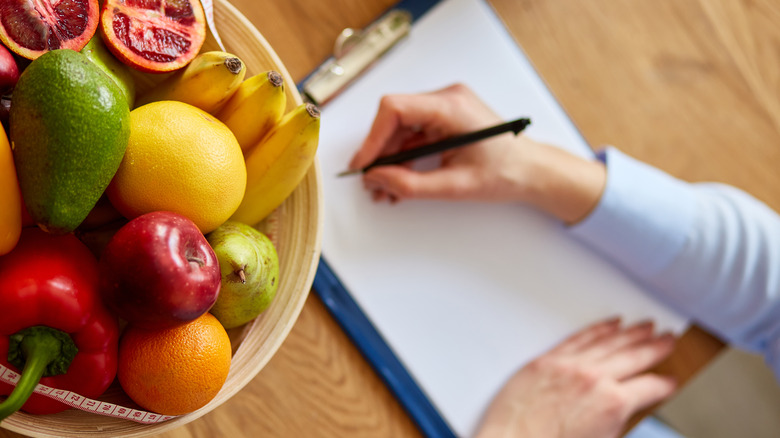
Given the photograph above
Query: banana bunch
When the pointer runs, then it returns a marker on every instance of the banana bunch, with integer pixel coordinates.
(256, 106)
(207, 82)
(278, 163)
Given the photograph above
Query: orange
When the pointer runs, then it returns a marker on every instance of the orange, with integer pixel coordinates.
(176, 370)
(180, 159)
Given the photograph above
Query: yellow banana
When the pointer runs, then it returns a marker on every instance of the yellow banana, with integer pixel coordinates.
(278, 164)
(255, 108)
(207, 82)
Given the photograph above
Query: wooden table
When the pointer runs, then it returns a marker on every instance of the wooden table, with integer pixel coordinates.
(691, 87)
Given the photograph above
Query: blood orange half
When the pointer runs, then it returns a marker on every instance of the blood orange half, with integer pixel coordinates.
(32, 28)
(154, 36)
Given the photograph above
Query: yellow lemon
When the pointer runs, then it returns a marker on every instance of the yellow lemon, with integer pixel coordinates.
(180, 159)
(10, 198)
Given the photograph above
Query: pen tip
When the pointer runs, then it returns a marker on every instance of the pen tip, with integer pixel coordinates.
(520, 124)
(349, 172)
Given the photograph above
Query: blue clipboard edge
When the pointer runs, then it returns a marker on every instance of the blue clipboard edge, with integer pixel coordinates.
(378, 353)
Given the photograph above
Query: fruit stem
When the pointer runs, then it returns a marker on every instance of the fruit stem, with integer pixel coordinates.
(44, 351)
(193, 257)
(241, 275)
(234, 65)
(275, 78)
(313, 111)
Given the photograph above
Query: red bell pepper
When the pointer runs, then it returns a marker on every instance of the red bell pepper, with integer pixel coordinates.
(53, 322)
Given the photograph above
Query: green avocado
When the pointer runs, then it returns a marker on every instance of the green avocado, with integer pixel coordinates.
(69, 126)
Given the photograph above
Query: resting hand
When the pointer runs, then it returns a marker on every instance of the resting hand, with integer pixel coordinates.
(589, 386)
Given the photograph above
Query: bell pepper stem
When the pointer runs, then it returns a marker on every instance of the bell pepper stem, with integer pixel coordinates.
(40, 349)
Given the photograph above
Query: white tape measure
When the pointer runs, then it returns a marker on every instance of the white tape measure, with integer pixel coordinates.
(86, 404)
(208, 8)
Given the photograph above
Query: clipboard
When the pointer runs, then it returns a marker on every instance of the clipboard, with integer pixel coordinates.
(355, 51)
(359, 299)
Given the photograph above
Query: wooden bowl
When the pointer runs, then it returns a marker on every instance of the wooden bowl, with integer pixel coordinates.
(295, 228)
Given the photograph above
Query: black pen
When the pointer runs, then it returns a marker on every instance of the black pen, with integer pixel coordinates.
(515, 126)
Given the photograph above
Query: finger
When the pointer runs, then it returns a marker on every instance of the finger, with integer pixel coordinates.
(637, 358)
(384, 127)
(405, 183)
(463, 95)
(586, 336)
(397, 113)
(637, 333)
(647, 390)
(377, 193)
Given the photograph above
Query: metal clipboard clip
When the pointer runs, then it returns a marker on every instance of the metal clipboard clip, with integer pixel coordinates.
(353, 53)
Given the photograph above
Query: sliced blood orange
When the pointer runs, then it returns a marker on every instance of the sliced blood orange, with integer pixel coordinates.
(153, 35)
(32, 28)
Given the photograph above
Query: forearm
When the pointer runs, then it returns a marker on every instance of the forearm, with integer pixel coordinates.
(708, 250)
(727, 275)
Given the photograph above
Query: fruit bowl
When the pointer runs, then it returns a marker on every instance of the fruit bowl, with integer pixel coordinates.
(295, 229)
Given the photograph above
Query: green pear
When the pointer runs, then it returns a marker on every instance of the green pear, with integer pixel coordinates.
(250, 273)
(97, 52)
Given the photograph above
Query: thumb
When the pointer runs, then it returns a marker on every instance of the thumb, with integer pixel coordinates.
(404, 183)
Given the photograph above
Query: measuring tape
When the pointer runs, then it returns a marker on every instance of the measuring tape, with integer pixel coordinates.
(208, 8)
(87, 404)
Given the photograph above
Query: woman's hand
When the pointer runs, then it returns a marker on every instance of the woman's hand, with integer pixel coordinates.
(502, 168)
(588, 386)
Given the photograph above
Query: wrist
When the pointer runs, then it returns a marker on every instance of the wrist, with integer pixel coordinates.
(561, 184)
(509, 421)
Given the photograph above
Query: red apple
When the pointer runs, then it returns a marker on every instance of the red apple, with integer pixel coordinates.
(159, 271)
(9, 71)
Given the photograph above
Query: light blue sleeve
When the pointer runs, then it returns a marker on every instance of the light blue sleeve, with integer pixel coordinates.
(709, 250)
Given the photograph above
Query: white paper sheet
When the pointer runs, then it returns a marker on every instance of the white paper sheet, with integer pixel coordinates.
(465, 293)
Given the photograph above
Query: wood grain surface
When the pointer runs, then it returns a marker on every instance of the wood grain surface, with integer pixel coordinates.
(690, 87)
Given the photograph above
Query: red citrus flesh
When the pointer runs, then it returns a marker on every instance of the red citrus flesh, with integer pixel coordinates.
(154, 36)
(32, 28)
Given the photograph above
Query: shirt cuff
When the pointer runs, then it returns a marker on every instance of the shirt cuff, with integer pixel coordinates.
(643, 217)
